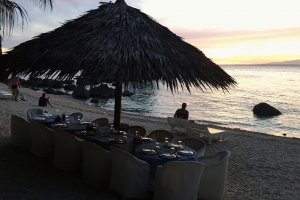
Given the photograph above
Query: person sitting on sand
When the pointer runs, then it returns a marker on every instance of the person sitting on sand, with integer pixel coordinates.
(182, 112)
(43, 101)
(15, 83)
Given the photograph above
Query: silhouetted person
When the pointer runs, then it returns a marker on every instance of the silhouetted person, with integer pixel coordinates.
(182, 112)
(43, 101)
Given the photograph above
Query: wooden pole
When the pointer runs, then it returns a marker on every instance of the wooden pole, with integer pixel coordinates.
(118, 106)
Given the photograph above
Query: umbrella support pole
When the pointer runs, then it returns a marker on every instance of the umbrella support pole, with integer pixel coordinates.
(118, 100)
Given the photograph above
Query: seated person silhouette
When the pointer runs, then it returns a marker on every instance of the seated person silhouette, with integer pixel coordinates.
(182, 112)
(43, 101)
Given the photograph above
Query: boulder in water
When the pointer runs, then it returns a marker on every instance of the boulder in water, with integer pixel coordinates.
(264, 109)
(93, 100)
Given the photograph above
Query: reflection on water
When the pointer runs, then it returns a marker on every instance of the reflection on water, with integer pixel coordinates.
(277, 86)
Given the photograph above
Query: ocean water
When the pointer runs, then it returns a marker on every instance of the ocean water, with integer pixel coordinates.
(278, 86)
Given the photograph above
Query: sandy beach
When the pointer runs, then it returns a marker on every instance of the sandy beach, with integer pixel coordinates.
(261, 166)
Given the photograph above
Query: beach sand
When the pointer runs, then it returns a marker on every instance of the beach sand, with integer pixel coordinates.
(261, 166)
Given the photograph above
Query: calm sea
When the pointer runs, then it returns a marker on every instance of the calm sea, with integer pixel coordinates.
(278, 86)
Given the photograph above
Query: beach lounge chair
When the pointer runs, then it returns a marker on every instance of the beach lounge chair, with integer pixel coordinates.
(160, 135)
(96, 165)
(203, 129)
(129, 175)
(177, 180)
(198, 145)
(213, 179)
(5, 95)
(176, 123)
(68, 151)
(42, 140)
(20, 132)
(133, 129)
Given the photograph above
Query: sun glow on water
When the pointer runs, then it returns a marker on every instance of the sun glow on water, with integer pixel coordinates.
(277, 86)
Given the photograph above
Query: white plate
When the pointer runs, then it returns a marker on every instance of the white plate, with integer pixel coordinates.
(117, 141)
(148, 151)
(60, 125)
(186, 152)
(176, 145)
(39, 118)
(85, 123)
(167, 155)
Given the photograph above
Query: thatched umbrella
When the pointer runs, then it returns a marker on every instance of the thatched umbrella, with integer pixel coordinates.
(120, 43)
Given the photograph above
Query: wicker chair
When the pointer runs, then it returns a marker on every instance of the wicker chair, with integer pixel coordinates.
(68, 151)
(42, 140)
(129, 175)
(198, 145)
(20, 132)
(33, 112)
(213, 179)
(133, 129)
(96, 165)
(76, 115)
(177, 180)
(159, 135)
(101, 122)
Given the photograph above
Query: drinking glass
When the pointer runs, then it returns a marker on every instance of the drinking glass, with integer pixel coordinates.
(167, 139)
(68, 122)
(179, 142)
(157, 145)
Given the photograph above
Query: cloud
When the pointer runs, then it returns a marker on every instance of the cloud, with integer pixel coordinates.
(219, 38)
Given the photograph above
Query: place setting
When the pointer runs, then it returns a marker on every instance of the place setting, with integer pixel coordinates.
(149, 151)
(61, 125)
(39, 118)
(117, 140)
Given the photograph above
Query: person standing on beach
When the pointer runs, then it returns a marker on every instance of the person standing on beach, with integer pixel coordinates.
(43, 101)
(182, 112)
(15, 84)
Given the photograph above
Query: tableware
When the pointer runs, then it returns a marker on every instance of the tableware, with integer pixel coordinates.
(39, 118)
(117, 141)
(167, 155)
(85, 123)
(148, 151)
(186, 152)
(157, 145)
(83, 132)
(60, 125)
(116, 132)
(146, 139)
(175, 145)
(78, 120)
(112, 128)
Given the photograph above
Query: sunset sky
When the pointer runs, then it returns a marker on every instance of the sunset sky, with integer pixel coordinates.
(227, 31)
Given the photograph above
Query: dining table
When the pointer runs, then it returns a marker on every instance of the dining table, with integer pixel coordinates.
(106, 137)
(159, 153)
(46, 119)
(70, 127)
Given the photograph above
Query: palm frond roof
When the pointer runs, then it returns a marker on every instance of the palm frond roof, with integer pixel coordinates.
(120, 42)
